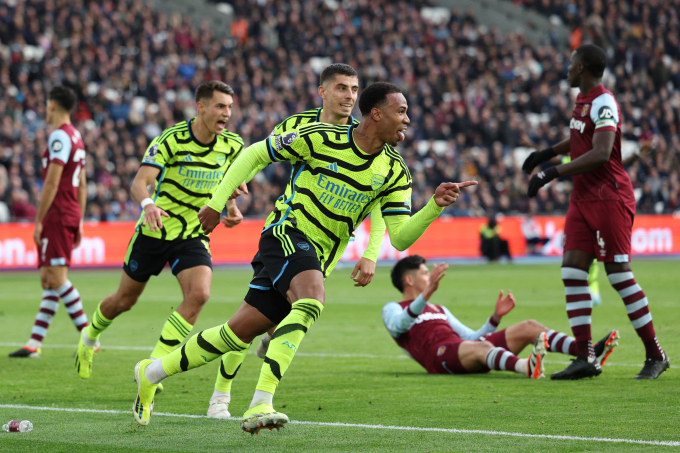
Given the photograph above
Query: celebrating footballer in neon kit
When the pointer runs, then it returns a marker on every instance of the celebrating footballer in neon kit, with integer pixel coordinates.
(289, 290)
(600, 218)
(186, 163)
(338, 87)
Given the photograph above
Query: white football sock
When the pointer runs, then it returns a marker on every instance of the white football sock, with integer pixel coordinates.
(521, 366)
(154, 372)
(217, 393)
(261, 397)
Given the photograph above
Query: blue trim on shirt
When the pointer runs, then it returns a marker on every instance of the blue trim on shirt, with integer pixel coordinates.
(292, 195)
(396, 210)
(270, 150)
(280, 274)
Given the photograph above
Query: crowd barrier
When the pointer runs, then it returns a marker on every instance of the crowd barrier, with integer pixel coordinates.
(105, 243)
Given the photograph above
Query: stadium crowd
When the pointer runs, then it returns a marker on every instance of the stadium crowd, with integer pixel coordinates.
(475, 95)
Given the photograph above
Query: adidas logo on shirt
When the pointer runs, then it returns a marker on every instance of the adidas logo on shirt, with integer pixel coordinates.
(187, 159)
(333, 167)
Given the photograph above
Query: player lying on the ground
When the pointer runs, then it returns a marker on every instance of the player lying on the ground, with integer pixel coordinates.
(58, 222)
(188, 160)
(437, 340)
(303, 239)
(600, 217)
(338, 87)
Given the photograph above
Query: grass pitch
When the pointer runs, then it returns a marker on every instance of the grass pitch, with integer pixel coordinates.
(348, 371)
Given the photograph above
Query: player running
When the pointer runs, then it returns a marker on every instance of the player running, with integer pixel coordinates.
(186, 162)
(600, 216)
(304, 238)
(338, 87)
(59, 220)
(437, 340)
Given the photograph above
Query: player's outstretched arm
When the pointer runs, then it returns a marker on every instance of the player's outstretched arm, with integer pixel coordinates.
(405, 230)
(250, 159)
(153, 215)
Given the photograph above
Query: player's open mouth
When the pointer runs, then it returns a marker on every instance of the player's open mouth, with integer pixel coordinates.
(347, 106)
(400, 134)
(221, 124)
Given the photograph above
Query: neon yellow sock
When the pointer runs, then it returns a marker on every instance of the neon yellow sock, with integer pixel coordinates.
(98, 325)
(593, 273)
(231, 362)
(202, 348)
(175, 330)
(286, 341)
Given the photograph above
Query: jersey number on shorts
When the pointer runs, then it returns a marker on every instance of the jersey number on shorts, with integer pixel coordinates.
(44, 247)
(79, 155)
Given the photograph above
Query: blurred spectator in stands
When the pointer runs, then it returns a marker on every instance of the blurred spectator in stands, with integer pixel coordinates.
(22, 209)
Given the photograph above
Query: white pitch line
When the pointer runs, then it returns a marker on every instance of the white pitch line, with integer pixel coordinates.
(667, 443)
(301, 354)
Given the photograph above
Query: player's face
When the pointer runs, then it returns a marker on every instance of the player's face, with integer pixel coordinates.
(394, 120)
(340, 94)
(421, 278)
(573, 72)
(216, 111)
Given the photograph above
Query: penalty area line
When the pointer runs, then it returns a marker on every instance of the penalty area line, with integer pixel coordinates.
(666, 443)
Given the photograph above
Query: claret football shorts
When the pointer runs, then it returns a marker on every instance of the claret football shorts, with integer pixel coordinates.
(601, 228)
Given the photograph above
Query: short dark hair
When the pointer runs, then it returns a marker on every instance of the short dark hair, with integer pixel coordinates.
(206, 90)
(331, 71)
(375, 95)
(404, 265)
(64, 97)
(593, 59)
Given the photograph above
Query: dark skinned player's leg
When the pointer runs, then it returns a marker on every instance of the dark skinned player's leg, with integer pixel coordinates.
(622, 280)
(575, 265)
(306, 294)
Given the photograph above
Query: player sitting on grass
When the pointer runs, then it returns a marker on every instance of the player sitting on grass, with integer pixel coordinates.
(303, 239)
(438, 341)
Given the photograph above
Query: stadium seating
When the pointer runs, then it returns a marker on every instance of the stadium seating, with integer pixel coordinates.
(475, 95)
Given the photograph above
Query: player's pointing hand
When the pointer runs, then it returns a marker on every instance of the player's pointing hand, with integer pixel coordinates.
(209, 218)
(448, 192)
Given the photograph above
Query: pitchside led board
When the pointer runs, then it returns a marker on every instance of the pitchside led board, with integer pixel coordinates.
(105, 243)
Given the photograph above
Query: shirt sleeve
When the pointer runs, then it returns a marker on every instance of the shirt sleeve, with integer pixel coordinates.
(377, 235)
(404, 230)
(605, 113)
(59, 145)
(252, 157)
(465, 332)
(398, 320)
(288, 146)
(155, 155)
